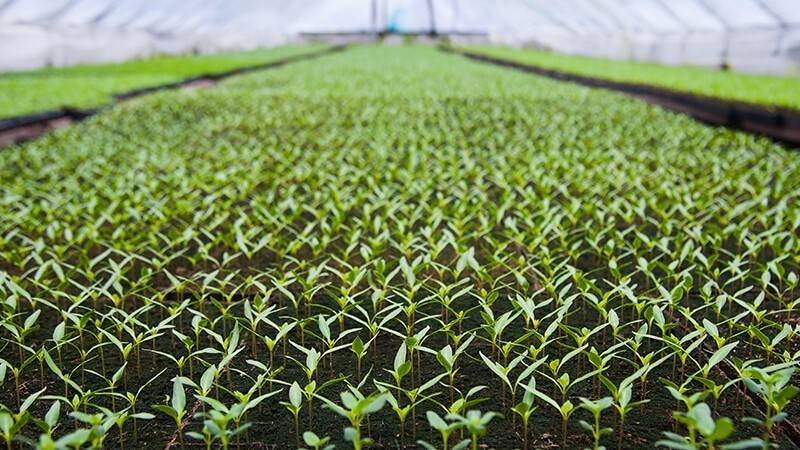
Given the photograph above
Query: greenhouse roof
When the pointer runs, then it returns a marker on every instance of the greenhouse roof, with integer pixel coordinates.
(675, 31)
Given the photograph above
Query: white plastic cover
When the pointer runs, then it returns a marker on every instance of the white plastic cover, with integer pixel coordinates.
(750, 35)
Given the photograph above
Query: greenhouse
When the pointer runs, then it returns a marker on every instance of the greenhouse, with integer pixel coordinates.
(399, 224)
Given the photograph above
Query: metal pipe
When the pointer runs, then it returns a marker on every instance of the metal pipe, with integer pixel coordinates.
(374, 18)
(782, 25)
(432, 17)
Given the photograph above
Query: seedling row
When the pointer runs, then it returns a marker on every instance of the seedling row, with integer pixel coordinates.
(399, 248)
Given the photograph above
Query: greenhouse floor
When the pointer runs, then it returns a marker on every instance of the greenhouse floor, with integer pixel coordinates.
(374, 243)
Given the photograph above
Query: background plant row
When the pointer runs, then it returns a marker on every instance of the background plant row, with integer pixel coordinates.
(92, 85)
(704, 81)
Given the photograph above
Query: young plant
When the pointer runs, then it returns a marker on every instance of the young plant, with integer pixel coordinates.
(176, 409)
(294, 406)
(772, 385)
(355, 408)
(596, 407)
(475, 423)
(318, 443)
(703, 431)
(525, 409)
(445, 429)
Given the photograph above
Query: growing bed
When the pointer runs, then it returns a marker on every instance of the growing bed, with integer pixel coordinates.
(766, 90)
(436, 234)
(92, 85)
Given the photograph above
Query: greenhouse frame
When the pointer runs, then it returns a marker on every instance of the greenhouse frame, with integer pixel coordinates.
(760, 36)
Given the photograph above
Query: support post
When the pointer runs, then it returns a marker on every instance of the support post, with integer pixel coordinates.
(374, 18)
(432, 18)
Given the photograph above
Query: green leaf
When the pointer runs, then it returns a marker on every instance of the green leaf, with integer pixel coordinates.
(400, 357)
(295, 395)
(373, 404)
(30, 400)
(546, 398)
(435, 421)
(323, 327)
(722, 430)
(118, 374)
(311, 439)
(744, 445)
(53, 414)
(520, 408)
(213, 403)
(207, 379)
(462, 445)
(404, 369)
(613, 319)
(721, 354)
(426, 445)
(31, 319)
(675, 445)
(58, 332)
(785, 395)
(444, 357)
(701, 415)
(168, 410)
(178, 400)
(349, 400)
(566, 408)
(358, 346)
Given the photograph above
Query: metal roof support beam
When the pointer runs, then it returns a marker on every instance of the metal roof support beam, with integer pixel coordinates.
(782, 24)
(726, 49)
(549, 15)
(5, 4)
(688, 29)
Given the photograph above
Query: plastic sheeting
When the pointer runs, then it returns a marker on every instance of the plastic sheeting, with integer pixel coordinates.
(750, 35)
(37, 33)
(761, 36)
